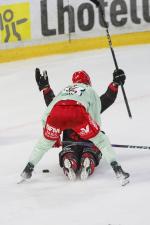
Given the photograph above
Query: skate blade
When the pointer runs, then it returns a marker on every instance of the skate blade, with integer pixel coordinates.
(22, 180)
(123, 181)
(71, 174)
(84, 173)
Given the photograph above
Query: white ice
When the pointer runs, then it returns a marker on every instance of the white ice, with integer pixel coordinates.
(50, 199)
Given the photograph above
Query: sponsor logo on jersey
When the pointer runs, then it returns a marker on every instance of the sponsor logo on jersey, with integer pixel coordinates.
(73, 90)
(51, 133)
(52, 129)
(85, 130)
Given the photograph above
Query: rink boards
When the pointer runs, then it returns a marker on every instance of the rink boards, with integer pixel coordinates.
(43, 27)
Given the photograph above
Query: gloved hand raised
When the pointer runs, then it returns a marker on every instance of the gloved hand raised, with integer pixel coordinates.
(119, 77)
(41, 79)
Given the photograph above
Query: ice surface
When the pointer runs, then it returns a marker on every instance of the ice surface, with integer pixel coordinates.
(50, 199)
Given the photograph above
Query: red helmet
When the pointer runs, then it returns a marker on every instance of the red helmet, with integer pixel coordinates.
(81, 77)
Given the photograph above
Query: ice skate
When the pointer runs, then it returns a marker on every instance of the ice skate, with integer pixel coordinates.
(27, 172)
(85, 169)
(68, 169)
(122, 176)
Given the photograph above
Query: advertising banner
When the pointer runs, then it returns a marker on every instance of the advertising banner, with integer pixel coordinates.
(39, 22)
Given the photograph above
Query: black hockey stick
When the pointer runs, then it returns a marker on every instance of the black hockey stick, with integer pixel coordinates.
(89, 144)
(98, 4)
(131, 146)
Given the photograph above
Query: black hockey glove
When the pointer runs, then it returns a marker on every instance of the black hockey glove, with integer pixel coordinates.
(119, 77)
(96, 2)
(41, 79)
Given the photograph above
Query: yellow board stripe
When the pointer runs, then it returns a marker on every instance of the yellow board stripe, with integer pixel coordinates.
(73, 46)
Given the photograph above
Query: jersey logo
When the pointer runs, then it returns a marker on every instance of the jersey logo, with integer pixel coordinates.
(73, 90)
(85, 130)
(51, 133)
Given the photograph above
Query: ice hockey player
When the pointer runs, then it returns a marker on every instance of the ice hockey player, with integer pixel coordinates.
(79, 107)
(75, 149)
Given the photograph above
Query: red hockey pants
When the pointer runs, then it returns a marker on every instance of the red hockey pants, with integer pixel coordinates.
(69, 114)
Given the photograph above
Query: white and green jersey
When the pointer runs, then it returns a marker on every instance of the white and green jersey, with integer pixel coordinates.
(81, 93)
(85, 95)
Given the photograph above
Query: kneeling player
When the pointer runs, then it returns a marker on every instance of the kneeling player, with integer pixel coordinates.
(78, 157)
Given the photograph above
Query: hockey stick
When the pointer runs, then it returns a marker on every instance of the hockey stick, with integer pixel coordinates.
(98, 4)
(90, 144)
(131, 146)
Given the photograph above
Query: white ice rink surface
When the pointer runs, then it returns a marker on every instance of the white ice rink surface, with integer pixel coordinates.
(50, 199)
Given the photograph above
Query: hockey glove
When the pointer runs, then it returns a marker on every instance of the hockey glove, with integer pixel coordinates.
(119, 77)
(41, 79)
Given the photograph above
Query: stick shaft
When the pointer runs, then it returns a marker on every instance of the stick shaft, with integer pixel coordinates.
(90, 144)
(131, 146)
(114, 59)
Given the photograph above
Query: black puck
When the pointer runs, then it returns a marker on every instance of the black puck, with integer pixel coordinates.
(45, 171)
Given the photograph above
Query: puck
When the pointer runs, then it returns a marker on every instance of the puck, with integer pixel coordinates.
(45, 171)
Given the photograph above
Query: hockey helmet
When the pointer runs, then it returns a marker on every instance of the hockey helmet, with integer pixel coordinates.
(81, 77)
